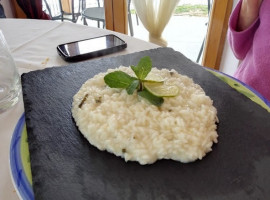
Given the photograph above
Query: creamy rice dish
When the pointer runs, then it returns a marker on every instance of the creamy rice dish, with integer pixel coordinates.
(183, 128)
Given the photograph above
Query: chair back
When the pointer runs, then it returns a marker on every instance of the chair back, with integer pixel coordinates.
(55, 9)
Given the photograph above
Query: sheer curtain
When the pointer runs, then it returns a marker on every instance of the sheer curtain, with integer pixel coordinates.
(155, 15)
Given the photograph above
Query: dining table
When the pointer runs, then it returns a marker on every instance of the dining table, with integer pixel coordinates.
(237, 168)
(33, 46)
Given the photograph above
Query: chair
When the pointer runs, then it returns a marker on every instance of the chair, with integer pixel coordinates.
(130, 18)
(93, 13)
(56, 12)
(98, 14)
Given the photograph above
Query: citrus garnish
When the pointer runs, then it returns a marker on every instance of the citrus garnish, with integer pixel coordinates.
(151, 77)
(162, 90)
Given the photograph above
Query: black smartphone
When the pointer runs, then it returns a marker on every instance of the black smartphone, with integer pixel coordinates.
(90, 48)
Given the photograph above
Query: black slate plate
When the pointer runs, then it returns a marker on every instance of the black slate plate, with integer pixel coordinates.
(65, 166)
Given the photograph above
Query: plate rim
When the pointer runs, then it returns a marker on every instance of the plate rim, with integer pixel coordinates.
(264, 102)
(20, 182)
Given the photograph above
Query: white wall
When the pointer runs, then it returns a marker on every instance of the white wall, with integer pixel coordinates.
(228, 63)
(8, 8)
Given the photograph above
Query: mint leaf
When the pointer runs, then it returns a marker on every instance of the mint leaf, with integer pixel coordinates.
(143, 68)
(133, 86)
(118, 79)
(157, 101)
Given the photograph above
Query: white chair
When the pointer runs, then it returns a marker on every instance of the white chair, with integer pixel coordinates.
(56, 12)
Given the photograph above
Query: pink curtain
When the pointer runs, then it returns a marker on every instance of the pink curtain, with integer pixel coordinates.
(33, 9)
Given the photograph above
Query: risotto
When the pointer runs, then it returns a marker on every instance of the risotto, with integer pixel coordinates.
(182, 129)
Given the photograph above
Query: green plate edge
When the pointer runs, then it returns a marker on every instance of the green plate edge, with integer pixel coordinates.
(25, 155)
(241, 88)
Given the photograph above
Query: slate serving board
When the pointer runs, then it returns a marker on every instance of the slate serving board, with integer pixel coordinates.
(65, 166)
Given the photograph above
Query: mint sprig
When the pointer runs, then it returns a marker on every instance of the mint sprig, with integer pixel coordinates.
(120, 79)
(133, 86)
(143, 68)
(157, 101)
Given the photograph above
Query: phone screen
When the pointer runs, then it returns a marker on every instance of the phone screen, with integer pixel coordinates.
(91, 45)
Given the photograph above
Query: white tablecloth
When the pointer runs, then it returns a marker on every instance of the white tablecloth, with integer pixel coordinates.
(33, 46)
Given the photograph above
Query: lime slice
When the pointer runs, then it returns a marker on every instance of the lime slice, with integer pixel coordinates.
(154, 78)
(162, 90)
